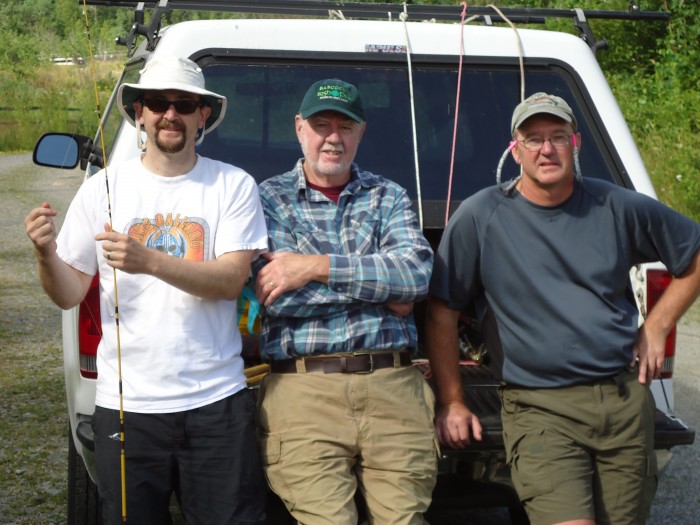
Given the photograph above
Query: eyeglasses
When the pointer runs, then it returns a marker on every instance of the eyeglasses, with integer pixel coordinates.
(536, 143)
(161, 105)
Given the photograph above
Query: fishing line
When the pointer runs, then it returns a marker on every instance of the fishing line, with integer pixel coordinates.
(114, 270)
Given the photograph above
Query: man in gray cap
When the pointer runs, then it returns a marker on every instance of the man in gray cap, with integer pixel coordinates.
(545, 260)
(343, 408)
(181, 236)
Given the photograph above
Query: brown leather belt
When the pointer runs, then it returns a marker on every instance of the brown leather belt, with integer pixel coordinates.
(355, 363)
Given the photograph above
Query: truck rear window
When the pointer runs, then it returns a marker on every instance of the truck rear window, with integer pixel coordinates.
(258, 134)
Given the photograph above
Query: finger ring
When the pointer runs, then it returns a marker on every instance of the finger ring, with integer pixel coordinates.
(272, 284)
(109, 256)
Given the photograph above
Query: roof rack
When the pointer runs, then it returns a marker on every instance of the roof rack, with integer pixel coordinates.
(390, 11)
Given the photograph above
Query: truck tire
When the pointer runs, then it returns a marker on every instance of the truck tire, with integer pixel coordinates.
(83, 498)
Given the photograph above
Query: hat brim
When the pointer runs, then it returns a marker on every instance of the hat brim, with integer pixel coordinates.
(129, 93)
(322, 107)
(538, 111)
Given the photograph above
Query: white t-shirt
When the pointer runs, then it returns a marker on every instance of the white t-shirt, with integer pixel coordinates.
(178, 351)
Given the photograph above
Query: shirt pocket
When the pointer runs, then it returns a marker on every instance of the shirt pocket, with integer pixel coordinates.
(361, 232)
(310, 239)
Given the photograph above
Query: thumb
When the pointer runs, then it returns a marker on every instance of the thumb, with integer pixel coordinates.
(108, 228)
(47, 206)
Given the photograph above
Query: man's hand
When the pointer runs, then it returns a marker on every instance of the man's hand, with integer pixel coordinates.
(126, 254)
(65, 285)
(453, 423)
(650, 350)
(287, 271)
(41, 229)
(400, 309)
(219, 279)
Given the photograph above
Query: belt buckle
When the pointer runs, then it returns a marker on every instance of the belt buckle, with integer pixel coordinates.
(371, 361)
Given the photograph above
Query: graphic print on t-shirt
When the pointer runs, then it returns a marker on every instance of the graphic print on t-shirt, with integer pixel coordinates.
(183, 237)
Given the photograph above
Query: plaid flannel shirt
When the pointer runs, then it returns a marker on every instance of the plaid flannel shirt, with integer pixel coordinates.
(377, 255)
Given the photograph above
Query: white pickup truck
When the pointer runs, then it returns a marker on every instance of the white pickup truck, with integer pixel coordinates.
(439, 95)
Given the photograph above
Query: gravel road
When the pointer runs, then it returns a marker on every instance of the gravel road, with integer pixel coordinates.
(33, 417)
(678, 497)
(33, 450)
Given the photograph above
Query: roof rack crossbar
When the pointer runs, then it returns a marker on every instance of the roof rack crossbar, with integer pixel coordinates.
(380, 10)
(415, 12)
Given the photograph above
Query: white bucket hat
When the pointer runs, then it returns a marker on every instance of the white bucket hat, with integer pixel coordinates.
(170, 72)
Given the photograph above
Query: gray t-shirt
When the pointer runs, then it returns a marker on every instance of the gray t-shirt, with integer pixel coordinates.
(556, 279)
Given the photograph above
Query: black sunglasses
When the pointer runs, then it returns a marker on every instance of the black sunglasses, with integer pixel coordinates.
(161, 105)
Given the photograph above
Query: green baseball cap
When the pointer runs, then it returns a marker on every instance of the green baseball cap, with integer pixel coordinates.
(332, 95)
(541, 103)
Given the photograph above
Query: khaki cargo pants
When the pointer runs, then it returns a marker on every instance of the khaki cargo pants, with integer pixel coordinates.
(323, 436)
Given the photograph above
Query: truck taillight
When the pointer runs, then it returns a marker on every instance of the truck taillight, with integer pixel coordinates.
(657, 282)
(90, 330)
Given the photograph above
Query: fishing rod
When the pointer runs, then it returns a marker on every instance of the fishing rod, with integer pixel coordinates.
(122, 441)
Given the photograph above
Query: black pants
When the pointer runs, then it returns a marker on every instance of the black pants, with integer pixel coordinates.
(208, 456)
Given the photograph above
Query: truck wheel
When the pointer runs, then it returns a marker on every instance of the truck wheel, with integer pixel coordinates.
(83, 500)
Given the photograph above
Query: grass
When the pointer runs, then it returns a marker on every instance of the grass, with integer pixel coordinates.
(33, 421)
(59, 98)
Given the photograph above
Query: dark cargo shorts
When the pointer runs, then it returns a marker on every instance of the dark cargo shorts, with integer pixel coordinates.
(582, 452)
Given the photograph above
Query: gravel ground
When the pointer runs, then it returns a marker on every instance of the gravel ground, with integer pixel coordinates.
(33, 422)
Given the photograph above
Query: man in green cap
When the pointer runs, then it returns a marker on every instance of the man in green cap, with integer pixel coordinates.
(545, 260)
(343, 408)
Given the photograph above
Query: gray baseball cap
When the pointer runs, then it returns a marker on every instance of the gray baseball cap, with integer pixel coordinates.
(541, 103)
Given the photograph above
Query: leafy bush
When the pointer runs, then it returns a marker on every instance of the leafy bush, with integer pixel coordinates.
(665, 134)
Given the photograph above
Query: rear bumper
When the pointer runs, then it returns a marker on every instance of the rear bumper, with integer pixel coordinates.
(669, 432)
(84, 432)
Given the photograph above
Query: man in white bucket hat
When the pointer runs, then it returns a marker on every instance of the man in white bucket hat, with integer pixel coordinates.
(184, 230)
(162, 74)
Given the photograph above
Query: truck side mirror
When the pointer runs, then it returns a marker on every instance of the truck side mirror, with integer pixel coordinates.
(60, 150)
